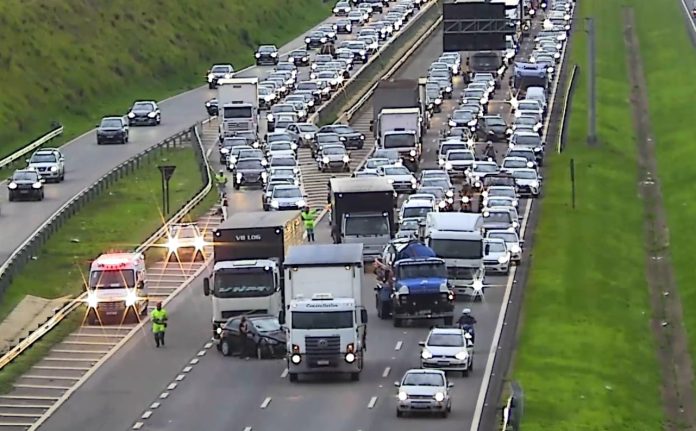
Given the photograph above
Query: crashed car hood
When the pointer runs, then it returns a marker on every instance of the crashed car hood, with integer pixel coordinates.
(277, 336)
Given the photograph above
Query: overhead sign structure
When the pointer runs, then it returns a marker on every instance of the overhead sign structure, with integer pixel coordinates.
(476, 25)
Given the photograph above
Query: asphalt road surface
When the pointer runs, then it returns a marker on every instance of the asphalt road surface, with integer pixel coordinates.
(231, 394)
(86, 162)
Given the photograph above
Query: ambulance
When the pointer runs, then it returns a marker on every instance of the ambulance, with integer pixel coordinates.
(117, 288)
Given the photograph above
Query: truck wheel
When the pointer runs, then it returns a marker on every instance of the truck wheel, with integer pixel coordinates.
(292, 377)
(354, 377)
(397, 322)
(448, 320)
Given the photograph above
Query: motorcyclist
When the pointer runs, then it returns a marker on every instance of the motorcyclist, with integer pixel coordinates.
(489, 152)
(467, 194)
(466, 322)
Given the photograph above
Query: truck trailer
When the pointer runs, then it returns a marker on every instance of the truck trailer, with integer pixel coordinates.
(238, 105)
(248, 253)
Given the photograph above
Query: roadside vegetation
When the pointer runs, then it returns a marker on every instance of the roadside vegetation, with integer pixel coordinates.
(73, 61)
(587, 357)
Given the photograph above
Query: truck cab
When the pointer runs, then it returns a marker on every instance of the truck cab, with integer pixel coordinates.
(400, 129)
(238, 105)
(117, 288)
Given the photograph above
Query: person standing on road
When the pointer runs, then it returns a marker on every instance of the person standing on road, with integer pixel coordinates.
(159, 324)
(221, 183)
(309, 218)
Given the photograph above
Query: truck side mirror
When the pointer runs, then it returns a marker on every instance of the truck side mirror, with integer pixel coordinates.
(206, 286)
(363, 316)
(281, 317)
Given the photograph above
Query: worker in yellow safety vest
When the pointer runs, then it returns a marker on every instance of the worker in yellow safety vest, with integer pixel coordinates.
(159, 324)
(309, 218)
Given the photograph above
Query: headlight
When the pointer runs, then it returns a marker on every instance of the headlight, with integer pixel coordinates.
(425, 354)
(131, 298)
(448, 165)
(308, 136)
(131, 115)
(502, 259)
(472, 122)
(508, 132)
(37, 185)
(466, 200)
(477, 184)
(462, 355)
(207, 104)
(322, 40)
(362, 52)
(152, 114)
(224, 150)
(550, 69)
(274, 54)
(232, 160)
(348, 27)
(335, 10)
(92, 300)
(515, 249)
(452, 123)
(296, 359)
(172, 244)
(438, 101)
(239, 176)
(54, 169)
(350, 357)
(304, 58)
(484, 100)
(199, 243)
(346, 159)
(218, 330)
(412, 153)
(292, 59)
(325, 90)
(325, 159)
(439, 397)
(264, 176)
(301, 203)
(293, 146)
(314, 66)
(211, 77)
(515, 224)
(448, 89)
(257, 55)
(310, 103)
(442, 204)
(274, 203)
(269, 117)
(403, 396)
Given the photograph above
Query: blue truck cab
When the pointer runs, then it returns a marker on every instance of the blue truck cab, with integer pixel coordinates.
(412, 284)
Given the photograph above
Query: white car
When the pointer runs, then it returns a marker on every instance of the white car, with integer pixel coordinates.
(496, 257)
(511, 164)
(342, 8)
(416, 208)
(281, 149)
(529, 107)
(448, 349)
(400, 177)
(458, 161)
(512, 241)
(424, 391)
(371, 165)
(501, 192)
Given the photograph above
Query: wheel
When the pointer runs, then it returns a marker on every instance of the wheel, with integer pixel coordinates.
(211, 86)
(466, 372)
(259, 352)
(399, 413)
(159, 120)
(10, 197)
(236, 186)
(448, 320)
(225, 348)
(397, 322)
(62, 177)
(354, 377)
(444, 414)
(471, 365)
(41, 196)
(292, 377)
(217, 346)
(379, 309)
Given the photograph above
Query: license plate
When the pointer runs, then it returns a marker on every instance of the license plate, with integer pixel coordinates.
(426, 312)
(111, 313)
(323, 362)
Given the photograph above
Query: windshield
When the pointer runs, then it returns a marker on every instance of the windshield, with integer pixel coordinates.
(266, 325)
(144, 106)
(527, 140)
(505, 236)
(515, 164)
(528, 106)
(529, 155)
(473, 94)
(422, 270)
(322, 320)
(267, 49)
(397, 170)
(287, 192)
(327, 138)
(243, 283)
(500, 202)
(498, 217)
(238, 149)
(249, 164)
(308, 128)
(416, 212)
(397, 141)
(220, 69)
(507, 192)
(280, 137)
(527, 175)
(409, 225)
(435, 191)
(280, 146)
(237, 112)
(25, 176)
(486, 168)
(457, 155)
(495, 122)
(496, 246)
(334, 151)
(43, 158)
(423, 379)
(115, 279)
(386, 154)
(374, 163)
(111, 124)
(445, 148)
(462, 115)
(457, 249)
(486, 62)
(377, 226)
(446, 340)
(527, 120)
(435, 182)
(313, 86)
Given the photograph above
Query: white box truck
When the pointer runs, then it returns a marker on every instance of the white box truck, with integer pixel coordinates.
(238, 105)
(400, 129)
(458, 239)
(324, 316)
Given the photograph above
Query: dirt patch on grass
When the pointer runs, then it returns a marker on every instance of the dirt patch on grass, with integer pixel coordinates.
(667, 321)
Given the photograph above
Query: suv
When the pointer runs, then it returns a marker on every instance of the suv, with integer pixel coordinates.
(49, 163)
(112, 130)
(26, 183)
(449, 349)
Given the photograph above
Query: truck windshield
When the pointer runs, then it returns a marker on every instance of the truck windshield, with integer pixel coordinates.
(484, 62)
(237, 112)
(422, 270)
(377, 225)
(457, 249)
(416, 212)
(322, 320)
(399, 141)
(117, 279)
(243, 284)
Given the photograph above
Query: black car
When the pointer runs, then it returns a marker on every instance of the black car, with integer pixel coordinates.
(211, 106)
(27, 184)
(359, 50)
(112, 130)
(315, 39)
(312, 87)
(321, 139)
(377, 5)
(267, 54)
(492, 128)
(299, 57)
(249, 172)
(144, 113)
(227, 144)
(343, 26)
(265, 337)
(348, 136)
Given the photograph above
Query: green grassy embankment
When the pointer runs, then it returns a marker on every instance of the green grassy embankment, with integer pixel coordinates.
(586, 358)
(669, 59)
(103, 224)
(74, 61)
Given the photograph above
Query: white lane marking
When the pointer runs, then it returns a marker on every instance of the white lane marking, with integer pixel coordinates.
(284, 374)
(164, 395)
(138, 425)
(187, 369)
(247, 429)
(386, 372)
(146, 415)
(371, 404)
(155, 405)
(688, 15)
(266, 402)
(194, 361)
(172, 386)
(398, 345)
(180, 377)
(201, 353)
(208, 345)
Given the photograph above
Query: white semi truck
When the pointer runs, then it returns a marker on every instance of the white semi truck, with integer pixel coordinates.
(324, 315)
(238, 105)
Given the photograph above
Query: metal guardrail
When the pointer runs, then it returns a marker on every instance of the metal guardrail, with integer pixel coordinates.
(43, 140)
(568, 98)
(207, 179)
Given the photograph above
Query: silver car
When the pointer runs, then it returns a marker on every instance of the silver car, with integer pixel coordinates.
(500, 192)
(458, 161)
(400, 177)
(499, 201)
(408, 228)
(448, 349)
(371, 165)
(499, 219)
(281, 149)
(528, 182)
(302, 133)
(512, 241)
(287, 197)
(424, 391)
(49, 163)
(333, 158)
(386, 153)
(496, 257)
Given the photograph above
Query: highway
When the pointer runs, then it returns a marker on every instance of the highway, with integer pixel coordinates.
(223, 393)
(86, 162)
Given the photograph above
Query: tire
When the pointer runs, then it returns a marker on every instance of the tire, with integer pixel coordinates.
(225, 348)
(293, 377)
(41, 196)
(444, 414)
(10, 197)
(236, 186)
(211, 86)
(259, 352)
(399, 413)
(62, 177)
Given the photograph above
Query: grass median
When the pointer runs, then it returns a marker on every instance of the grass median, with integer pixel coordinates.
(126, 214)
(74, 61)
(586, 357)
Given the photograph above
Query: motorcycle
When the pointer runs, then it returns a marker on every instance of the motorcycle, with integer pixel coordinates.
(468, 329)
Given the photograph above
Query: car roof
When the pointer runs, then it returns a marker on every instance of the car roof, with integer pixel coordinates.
(455, 331)
(424, 371)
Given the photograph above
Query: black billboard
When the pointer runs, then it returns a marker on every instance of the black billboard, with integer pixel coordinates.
(248, 244)
(474, 26)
